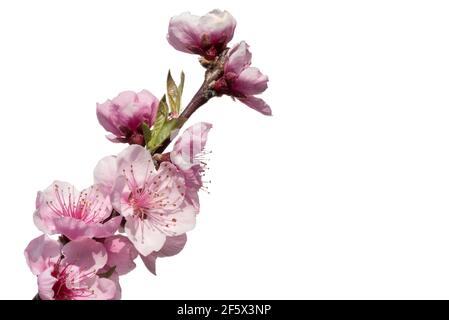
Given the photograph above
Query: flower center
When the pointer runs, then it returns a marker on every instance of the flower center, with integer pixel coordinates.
(87, 206)
(70, 284)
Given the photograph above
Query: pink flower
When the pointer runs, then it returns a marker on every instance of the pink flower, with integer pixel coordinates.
(123, 116)
(172, 246)
(121, 254)
(187, 155)
(150, 199)
(62, 209)
(207, 35)
(242, 81)
(69, 273)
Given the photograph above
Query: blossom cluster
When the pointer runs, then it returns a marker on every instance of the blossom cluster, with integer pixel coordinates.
(141, 202)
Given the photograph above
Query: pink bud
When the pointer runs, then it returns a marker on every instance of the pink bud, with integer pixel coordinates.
(207, 35)
(242, 81)
(123, 116)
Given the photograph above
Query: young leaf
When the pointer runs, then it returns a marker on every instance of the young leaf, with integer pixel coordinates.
(181, 86)
(172, 92)
(146, 132)
(161, 118)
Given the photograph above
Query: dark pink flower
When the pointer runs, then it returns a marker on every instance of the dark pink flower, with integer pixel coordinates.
(207, 35)
(63, 209)
(242, 81)
(123, 116)
(187, 155)
(70, 273)
(172, 246)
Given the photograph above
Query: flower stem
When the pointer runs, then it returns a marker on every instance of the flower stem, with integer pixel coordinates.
(204, 94)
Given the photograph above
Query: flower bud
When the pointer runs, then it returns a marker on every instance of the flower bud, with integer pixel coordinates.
(123, 116)
(207, 35)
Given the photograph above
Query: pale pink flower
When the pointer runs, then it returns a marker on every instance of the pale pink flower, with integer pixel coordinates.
(207, 35)
(172, 246)
(63, 209)
(188, 156)
(121, 254)
(150, 199)
(123, 116)
(70, 273)
(242, 81)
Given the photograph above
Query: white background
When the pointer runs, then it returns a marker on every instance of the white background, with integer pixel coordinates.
(343, 193)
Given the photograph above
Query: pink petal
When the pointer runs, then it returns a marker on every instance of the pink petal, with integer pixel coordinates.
(179, 221)
(77, 229)
(239, 58)
(137, 159)
(103, 289)
(125, 98)
(170, 187)
(45, 282)
(189, 145)
(87, 254)
(150, 262)
(41, 253)
(219, 26)
(105, 173)
(120, 196)
(257, 104)
(107, 116)
(184, 33)
(192, 34)
(172, 246)
(121, 254)
(250, 82)
(100, 206)
(143, 235)
(54, 200)
(148, 99)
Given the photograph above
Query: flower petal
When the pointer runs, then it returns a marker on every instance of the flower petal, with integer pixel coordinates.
(250, 82)
(184, 33)
(77, 229)
(107, 116)
(105, 173)
(239, 58)
(219, 26)
(121, 254)
(41, 253)
(172, 246)
(179, 221)
(168, 189)
(145, 237)
(193, 34)
(189, 145)
(55, 200)
(257, 104)
(103, 289)
(136, 163)
(45, 282)
(87, 254)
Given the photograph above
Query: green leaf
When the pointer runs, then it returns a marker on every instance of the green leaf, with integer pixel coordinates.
(161, 118)
(181, 86)
(165, 132)
(146, 132)
(108, 273)
(172, 92)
